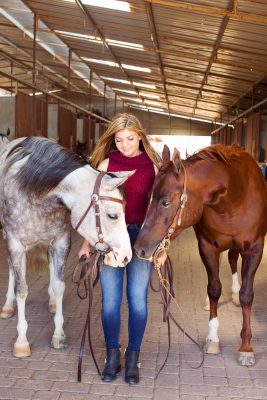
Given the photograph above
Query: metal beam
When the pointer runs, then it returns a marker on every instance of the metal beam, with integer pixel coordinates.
(154, 38)
(241, 115)
(204, 10)
(54, 96)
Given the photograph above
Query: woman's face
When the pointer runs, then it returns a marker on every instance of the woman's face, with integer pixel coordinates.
(127, 142)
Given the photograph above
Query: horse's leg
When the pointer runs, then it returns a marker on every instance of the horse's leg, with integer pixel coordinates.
(18, 259)
(250, 261)
(210, 258)
(232, 258)
(8, 307)
(52, 299)
(61, 248)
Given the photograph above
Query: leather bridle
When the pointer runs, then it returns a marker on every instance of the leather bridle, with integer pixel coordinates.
(101, 246)
(177, 220)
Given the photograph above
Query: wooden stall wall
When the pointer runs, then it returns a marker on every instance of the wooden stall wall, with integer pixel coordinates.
(87, 133)
(31, 116)
(253, 135)
(237, 134)
(67, 125)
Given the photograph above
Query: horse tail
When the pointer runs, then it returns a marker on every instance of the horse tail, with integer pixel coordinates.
(37, 260)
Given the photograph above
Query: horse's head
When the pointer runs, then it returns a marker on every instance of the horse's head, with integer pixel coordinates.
(110, 224)
(165, 205)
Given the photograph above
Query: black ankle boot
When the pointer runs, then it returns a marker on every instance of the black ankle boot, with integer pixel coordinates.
(113, 365)
(132, 367)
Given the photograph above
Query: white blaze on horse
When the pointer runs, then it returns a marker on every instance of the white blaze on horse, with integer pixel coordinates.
(44, 189)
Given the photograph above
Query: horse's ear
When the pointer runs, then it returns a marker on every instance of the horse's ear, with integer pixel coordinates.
(119, 179)
(176, 159)
(166, 155)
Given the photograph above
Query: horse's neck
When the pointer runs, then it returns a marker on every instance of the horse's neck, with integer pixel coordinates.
(77, 185)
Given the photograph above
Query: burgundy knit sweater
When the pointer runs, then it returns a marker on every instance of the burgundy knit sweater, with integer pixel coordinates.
(138, 186)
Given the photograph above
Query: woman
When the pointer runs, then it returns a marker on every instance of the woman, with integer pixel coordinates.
(125, 147)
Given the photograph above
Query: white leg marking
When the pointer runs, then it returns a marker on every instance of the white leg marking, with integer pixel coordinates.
(213, 330)
(235, 283)
(8, 307)
(22, 323)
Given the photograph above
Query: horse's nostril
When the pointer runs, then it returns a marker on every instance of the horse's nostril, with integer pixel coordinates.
(142, 253)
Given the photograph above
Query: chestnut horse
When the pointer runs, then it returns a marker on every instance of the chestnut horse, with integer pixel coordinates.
(220, 191)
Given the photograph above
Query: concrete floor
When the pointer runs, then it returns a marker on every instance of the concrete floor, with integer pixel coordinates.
(52, 374)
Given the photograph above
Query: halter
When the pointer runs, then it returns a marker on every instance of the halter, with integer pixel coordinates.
(101, 246)
(177, 220)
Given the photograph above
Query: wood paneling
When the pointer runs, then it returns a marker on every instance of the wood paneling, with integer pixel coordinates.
(67, 127)
(31, 116)
(253, 135)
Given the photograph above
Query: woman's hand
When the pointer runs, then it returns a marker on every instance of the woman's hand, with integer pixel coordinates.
(85, 250)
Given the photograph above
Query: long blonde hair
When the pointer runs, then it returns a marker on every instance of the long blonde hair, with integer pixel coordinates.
(106, 142)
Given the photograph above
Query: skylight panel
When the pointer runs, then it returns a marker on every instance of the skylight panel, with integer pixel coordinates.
(111, 4)
(153, 102)
(146, 85)
(114, 64)
(107, 78)
(97, 39)
(132, 99)
(149, 95)
(128, 45)
(124, 90)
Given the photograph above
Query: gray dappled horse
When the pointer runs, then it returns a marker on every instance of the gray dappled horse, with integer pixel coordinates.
(44, 189)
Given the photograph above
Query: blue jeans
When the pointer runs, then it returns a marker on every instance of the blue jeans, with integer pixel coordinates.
(138, 274)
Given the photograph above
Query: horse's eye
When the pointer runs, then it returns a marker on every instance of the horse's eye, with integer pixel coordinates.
(165, 203)
(113, 216)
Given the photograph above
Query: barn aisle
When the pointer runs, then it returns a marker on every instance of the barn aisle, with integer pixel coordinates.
(52, 374)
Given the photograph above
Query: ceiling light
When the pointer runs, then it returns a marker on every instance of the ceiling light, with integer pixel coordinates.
(104, 62)
(128, 45)
(80, 36)
(135, 68)
(114, 64)
(152, 102)
(146, 85)
(112, 4)
(132, 99)
(124, 90)
(150, 95)
(116, 80)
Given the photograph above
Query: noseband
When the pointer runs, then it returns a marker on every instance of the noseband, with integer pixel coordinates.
(101, 246)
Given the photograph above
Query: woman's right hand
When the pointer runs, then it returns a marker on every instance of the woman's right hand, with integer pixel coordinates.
(85, 250)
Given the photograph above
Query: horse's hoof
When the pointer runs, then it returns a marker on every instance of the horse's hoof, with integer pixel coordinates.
(7, 312)
(52, 308)
(207, 306)
(246, 358)
(59, 342)
(21, 351)
(212, 347)
(235, 299)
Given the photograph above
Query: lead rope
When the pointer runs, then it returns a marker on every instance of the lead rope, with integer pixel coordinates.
(89, 267)
(165, 275)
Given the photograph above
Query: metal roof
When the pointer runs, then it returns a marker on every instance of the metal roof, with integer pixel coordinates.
(203, 59)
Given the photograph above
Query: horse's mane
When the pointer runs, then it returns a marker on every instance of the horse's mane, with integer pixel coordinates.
(218, 152)
(46, 166)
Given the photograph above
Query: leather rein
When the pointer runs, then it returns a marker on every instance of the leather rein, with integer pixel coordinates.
(165, 274)
(89, 267)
